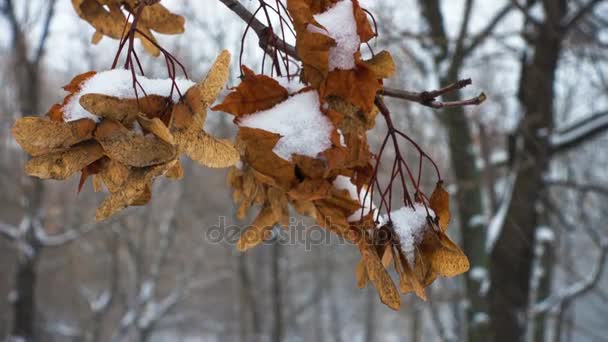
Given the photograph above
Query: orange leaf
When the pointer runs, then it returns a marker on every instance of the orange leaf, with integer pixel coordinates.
(358, 86)
(253, 94)
(364, 29)
(76, 83)
(258, 145)
(440, 203)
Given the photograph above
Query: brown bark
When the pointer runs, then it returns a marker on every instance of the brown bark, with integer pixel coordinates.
(512, 255)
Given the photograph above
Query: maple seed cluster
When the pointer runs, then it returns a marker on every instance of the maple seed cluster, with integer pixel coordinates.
(347, 90)
(134, 142)
(124, 141)
(108, 19)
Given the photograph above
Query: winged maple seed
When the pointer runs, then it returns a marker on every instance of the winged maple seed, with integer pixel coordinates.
(328, 182)
(132, 141)
(108, 19)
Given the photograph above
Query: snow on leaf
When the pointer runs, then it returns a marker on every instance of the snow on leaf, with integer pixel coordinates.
(118, 83)
(410, 224)
(303, 128)
(340, 25)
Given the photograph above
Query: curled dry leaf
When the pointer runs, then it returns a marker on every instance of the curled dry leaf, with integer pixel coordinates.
(445, 257)
(134, 191)
(113, 174)
(440, 203)
(38, 136)
(63, 164)
(379, 276)
(108, 19)
(203, 94)
(382, 65)
(253, 94)
(132, 149)
(209, 151)
(259, 229)
(156, 127)
(123, 110)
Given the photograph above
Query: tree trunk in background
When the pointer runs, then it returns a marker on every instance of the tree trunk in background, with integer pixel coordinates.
(468, 179)
(547, 264)
(370, 314)
(249, 304)
(24, 308)
(469, 199)
(513, 253)
(277, 303)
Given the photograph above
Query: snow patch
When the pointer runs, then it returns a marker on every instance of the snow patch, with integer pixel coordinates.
(544, 234)
(304, 129)
(410, 224)
(478, 221)
(345, 183)
(481, 318)
(119, 83)
(340, 25)
(292, 84)
(499, 218)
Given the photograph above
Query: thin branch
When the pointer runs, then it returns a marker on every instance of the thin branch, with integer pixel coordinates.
(585, 188)
(45, 32)
(487, 31)
(574, 291)
(8, 231)
(429, 98)
(580, 132)
(580, 14)
(58, 240)
(269, 40)
(525, 11)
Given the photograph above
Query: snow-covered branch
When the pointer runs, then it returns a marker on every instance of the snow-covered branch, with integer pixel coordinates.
(576, 290)
(579, 132)
(57, 240)
(8, 231)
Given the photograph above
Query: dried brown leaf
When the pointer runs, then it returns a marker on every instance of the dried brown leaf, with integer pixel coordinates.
(132, 149)
(63, 164)
(38, 136)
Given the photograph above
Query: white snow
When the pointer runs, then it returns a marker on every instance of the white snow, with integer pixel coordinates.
(410, 225)
(345, 183)
(340, 25)
(544, 234)
(304, 129)
(119, 83)
(579, 129)
(481, 318)
(478, 221)
(101, 302)
(480, 275)
(292, 84)
(499, 218)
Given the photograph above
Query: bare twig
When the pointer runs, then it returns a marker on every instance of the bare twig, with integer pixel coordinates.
(585, 188)
(8, 231)
(429, 98)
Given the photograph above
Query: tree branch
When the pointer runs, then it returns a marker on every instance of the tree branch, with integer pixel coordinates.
(580, 14)
(601, 190)
(574, 291)
(579, 132)
(8, 231)
(427, 98)
(45, 32)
